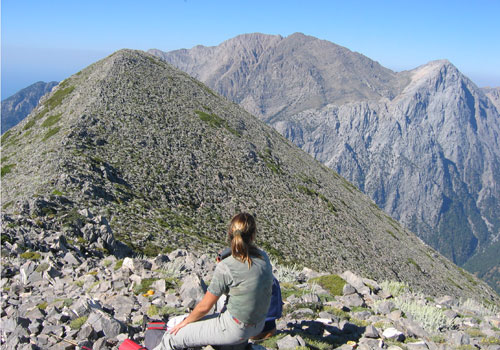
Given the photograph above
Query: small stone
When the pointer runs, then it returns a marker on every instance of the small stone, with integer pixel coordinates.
(393, 334)
(371, 332)
(311, 298)
(459, 338)
(71, 259)
(385, 307)
(353, 300)
(329, 316)
(450, 314)
(111, 327)
(394, 347)
(369, 344)
(447, 301)
(300, 313)
(419, 345)
(192, 287)
(290, 342)
(86, 333)
(348, 289)
(395, 315)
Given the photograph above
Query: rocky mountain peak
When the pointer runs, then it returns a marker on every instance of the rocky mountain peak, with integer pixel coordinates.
(315, 73)
(435, 76)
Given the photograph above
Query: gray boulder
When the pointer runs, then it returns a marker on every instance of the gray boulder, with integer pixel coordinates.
(290, 342)
(193, 288)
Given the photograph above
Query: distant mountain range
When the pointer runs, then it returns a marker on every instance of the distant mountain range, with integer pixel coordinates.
(133, 149)
(16, 107)
(423, 144)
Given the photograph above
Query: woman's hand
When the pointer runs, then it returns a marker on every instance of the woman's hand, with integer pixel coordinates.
(178, 327)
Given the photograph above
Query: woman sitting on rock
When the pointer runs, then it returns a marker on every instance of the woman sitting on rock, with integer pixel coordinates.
(246, 277)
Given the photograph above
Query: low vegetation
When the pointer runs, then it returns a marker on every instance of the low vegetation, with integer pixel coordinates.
(332, 283)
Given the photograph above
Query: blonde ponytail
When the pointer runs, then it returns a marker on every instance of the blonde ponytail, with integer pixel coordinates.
(241, 234)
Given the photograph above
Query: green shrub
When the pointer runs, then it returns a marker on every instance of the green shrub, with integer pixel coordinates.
(29, 124)
(438, 338)
(490, 341)
(51, 120)
(42, 267)
(151, 249)
(144, 286)
(411, 261)
(7, 168)
(58, 96)
(118, 264)
(272, 342)
(216, 121)
(78, 322)
(337, 312)
(152, 311)
(51, 133)
(5, 136)
(79, 283)
(31, 255)
(475, 332)
(169, 310)
(212, 119)
(430, 317)
(6, 238)
(332, 283)
(42, 305)
(395, 288)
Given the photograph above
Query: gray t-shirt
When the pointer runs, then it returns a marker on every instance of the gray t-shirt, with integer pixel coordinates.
(249, 289)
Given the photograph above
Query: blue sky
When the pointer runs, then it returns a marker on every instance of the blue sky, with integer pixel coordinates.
(52, 39)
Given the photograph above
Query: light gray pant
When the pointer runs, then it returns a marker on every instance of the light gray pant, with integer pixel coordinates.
(215, 329)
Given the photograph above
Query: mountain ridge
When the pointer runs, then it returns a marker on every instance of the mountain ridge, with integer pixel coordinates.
(165, 161)
(16, 107)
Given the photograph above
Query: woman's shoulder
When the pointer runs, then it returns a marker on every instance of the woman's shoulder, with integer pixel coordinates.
(263, 255)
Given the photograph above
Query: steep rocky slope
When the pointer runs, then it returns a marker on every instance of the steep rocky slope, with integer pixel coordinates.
(16, 107)
(163, 162)
(423, 144)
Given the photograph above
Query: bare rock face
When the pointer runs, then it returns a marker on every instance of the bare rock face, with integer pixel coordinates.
(423, 144)
(18, 106)
(430, 157)
(494, 95)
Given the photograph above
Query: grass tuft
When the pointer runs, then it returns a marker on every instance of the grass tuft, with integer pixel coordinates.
(77, 323)
(51, 133)
(332, 283)
(7, 168)
(31, 256)
(53, 119)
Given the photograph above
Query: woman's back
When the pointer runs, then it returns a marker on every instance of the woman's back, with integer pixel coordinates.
(249, 287)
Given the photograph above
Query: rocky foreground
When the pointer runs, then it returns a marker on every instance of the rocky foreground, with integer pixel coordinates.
(62, 295)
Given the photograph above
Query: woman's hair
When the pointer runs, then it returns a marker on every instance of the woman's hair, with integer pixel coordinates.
(241, 234)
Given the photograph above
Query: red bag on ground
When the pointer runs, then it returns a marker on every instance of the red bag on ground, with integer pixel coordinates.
(154, 333)
(131, 345)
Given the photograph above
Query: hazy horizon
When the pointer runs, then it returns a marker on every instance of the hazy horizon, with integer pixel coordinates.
(51, 41)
